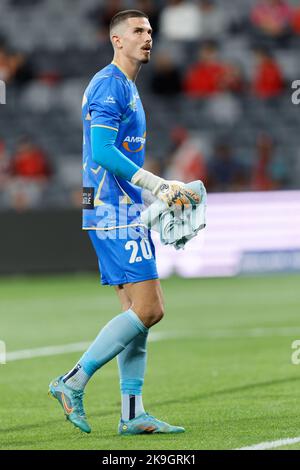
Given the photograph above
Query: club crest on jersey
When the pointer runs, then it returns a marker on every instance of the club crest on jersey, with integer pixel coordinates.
(132, 105)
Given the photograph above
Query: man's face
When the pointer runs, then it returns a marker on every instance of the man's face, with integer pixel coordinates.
(135, 39)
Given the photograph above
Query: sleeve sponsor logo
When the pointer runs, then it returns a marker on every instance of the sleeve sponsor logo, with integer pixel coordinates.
(131, 142)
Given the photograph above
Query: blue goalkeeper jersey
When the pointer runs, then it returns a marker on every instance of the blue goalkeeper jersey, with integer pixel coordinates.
(111, 100)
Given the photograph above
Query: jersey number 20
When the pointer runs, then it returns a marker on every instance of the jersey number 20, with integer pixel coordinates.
(134, 246)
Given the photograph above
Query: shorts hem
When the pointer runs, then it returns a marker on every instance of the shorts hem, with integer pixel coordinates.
(129, 281)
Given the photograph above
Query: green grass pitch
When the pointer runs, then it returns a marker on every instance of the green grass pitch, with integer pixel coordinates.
(224, 372)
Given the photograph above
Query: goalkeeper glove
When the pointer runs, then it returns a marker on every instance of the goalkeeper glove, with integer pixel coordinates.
(170, 192)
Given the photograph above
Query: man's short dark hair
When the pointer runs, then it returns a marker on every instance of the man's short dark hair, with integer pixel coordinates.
(124, 15)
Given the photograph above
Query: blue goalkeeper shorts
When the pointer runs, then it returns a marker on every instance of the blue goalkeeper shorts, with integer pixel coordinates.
(124, 255)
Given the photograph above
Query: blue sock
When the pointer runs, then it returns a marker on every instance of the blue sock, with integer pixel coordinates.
(132, 365)
(111, 340)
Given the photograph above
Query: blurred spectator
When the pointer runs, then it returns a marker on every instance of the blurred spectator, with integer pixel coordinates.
(21, 69)
(213, 19)
(5, 69)
(181, 20)
(268, 80)
(30, 172)
(186, 162)
(225, 172)
(272, 19)
(30, 161)
(165, 78)
(210, 74)
(268, 172)
(14, 67)
(296, 21)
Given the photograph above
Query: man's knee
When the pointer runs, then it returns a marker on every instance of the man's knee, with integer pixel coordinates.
(150, 314)
(156, 314)
(147, 301)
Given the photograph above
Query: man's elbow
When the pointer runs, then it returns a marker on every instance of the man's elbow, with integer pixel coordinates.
(98, 155)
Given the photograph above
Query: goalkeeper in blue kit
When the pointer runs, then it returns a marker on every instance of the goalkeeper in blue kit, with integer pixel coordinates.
(114, 138)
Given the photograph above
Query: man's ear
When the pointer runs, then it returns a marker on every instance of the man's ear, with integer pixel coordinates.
(116, 40)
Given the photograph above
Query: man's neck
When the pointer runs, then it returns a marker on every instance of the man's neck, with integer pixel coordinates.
(130, 69)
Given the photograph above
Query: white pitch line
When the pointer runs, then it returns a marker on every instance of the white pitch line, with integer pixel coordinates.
(251, 332)
(69, 348)
(159, 336)
(46, 351)
(272, 444)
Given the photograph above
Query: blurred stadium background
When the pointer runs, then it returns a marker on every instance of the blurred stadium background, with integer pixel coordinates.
(217, 94)
(218, 99)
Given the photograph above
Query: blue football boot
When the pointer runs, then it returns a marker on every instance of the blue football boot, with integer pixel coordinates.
(71, 402)
(147, 424)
